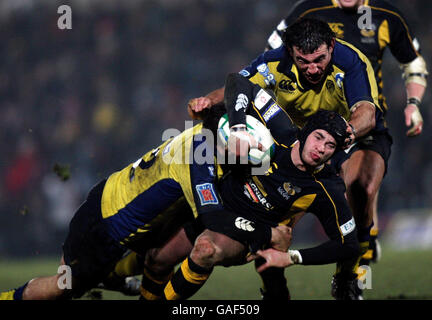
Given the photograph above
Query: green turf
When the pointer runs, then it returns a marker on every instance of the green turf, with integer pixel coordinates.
(399, 275)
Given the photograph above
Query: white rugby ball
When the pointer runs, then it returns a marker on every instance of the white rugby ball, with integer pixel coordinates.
(261, 134)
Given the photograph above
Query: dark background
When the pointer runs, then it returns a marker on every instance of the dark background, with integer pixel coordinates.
(93, 99)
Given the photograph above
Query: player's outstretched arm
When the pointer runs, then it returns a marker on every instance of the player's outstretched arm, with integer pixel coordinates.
(197, 105)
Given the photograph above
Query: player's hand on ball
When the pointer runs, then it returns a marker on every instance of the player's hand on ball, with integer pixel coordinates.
(414, 120)
(240, 141)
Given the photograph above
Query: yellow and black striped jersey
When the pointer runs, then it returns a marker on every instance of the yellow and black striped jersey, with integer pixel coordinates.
(387, 28)
(135, 199)
(350, 79)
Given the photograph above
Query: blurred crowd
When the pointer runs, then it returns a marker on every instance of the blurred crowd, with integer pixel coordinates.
(79, 104)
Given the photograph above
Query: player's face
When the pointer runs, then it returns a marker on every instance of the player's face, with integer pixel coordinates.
(318, 148)
(349, 4)
(313, 65)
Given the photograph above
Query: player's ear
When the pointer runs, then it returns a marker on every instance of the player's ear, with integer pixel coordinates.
(332, 44)
(290, 51)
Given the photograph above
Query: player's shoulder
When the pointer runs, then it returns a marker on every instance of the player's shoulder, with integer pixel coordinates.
(345, 55)
(304, 6)
(274, 55)
(386, 8)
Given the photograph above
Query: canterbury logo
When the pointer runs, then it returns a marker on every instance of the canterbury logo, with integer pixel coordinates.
(242, 102)
(244, 224)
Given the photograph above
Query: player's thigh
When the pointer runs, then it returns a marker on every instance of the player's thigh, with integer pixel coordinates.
(163, 259)
(366, 169)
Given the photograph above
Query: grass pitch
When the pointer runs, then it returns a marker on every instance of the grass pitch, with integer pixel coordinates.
(399, 275)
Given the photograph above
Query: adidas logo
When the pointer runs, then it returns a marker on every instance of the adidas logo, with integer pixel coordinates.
(244, 224)
(242, 102)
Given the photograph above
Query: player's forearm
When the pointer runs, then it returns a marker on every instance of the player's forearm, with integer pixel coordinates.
(415, 90)
(330, 252)
(216, 96)
(362, 118)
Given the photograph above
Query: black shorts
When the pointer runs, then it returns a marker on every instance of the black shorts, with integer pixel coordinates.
(252, 232)
(378, 141)
(88, 249)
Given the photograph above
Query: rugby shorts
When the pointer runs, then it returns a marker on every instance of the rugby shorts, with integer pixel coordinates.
(378, 141)
(88, 249)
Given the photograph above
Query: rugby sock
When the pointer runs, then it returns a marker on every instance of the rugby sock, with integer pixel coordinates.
(152, 287)
(351, 266)
(15, 294)
(130, 265)
(274, 285)
(369, 254)
(187, 280)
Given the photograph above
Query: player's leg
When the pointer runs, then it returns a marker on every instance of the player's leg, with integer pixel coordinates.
(373, 254)
(41, 288)
(210, 249)
(160, 262)
(363, 173)
(122, 278)
(274, 283)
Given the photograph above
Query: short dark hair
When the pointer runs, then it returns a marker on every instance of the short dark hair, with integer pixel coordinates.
(308, 35)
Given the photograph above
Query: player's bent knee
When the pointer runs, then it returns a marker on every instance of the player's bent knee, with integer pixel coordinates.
(204, 251)
(156, 263)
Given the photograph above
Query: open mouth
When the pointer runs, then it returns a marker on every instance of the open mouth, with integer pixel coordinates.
(314, 78)
(315, 157)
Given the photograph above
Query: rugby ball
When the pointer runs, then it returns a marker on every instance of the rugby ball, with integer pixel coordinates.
(261, 134)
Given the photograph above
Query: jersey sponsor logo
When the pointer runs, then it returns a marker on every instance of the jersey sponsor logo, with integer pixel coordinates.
(261, 99)
(206, 194)
(348, 227)
(367, 33)
(288, 85)
(283, 193)
(273, 110)
(264, 70)
(241, 102)
(290, 189)
(244, 73)
(244, 224)
(253, 193)
(339, 77)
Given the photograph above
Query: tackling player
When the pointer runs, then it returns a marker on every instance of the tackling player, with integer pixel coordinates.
(138, 208)
(387, 29)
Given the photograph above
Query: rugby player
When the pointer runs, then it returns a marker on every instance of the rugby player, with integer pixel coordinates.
(388, 29)
(138, 208)
(297, 181)
(313, 70)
